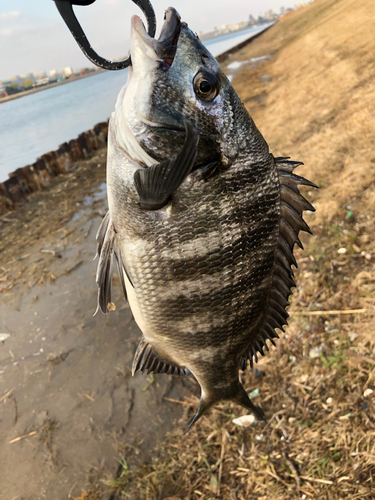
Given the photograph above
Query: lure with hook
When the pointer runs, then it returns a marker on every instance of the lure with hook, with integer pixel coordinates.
(65, 7)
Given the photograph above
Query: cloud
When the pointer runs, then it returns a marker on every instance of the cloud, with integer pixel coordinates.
(12, 14)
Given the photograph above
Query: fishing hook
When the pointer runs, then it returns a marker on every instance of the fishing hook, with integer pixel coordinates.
(65, 7)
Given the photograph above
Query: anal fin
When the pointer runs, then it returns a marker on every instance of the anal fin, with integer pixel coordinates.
(146, 360)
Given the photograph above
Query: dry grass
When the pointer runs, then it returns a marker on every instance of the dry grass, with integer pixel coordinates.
(320, 101)
(314, 100)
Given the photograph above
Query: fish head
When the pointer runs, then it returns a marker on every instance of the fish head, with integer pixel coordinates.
(173, 79)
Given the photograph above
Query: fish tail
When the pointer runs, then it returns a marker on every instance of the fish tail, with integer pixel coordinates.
(243, 399)
(234, 392)
(204, 405)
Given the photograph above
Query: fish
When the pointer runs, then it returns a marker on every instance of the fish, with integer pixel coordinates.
(202, 219)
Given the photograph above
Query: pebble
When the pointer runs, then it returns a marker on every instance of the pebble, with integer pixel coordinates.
(244, 421)
(367, 393)
(329, 401)
(352, 336)
(342, 250)
(4, 336)
(368, 256)
(315, 352)
(254, 393)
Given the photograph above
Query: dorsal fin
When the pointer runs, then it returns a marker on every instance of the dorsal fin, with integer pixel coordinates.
(146, 360)
(291, 223)
(106, 249)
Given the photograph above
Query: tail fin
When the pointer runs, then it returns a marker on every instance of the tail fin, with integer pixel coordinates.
(236, 393)
(204, 405)
(243, 399)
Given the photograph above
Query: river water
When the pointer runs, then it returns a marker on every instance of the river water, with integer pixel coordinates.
(40, 122)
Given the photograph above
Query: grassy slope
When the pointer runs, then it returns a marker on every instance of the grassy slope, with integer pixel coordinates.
(314, 100)
(320, 102)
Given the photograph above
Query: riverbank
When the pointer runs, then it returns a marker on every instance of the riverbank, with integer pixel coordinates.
(28, 180)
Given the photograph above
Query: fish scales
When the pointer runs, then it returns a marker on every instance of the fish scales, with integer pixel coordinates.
(163, 247)
(202, 218)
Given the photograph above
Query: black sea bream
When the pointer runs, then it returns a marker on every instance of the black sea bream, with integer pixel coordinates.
(202, 218)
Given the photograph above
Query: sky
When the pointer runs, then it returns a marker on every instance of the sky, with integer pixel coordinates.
(34, 38)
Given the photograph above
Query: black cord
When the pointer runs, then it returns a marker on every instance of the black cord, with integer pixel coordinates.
(65, 7)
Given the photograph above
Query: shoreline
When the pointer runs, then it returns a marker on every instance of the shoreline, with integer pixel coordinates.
(46, 87)
(224, 55)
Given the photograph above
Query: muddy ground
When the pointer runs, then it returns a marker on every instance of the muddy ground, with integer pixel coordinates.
(69, 408)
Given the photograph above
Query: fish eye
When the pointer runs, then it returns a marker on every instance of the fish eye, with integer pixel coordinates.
(206, 85)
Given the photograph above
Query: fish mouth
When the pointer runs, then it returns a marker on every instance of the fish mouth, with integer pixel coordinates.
(165, 46)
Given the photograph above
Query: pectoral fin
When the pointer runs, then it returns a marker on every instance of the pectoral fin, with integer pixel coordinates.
(156, 184)
(107, 248)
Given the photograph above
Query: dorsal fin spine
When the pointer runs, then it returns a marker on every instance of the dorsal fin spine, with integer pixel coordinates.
(292, 205)
(287, 251)
(277, 295)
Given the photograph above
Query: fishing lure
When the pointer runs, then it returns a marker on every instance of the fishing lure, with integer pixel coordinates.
(65, 7)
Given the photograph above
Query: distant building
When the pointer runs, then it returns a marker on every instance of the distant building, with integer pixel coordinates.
(42, 81)
(11, 86)
(282, 11)
(86, 71)
(54, 74)
(270, 15)
(68, 71)
(30, 76)
(15, 79)
(40, 75)
(252, 20)
(4, 84)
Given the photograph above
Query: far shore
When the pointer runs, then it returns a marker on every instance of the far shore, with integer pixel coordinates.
(49, 86)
